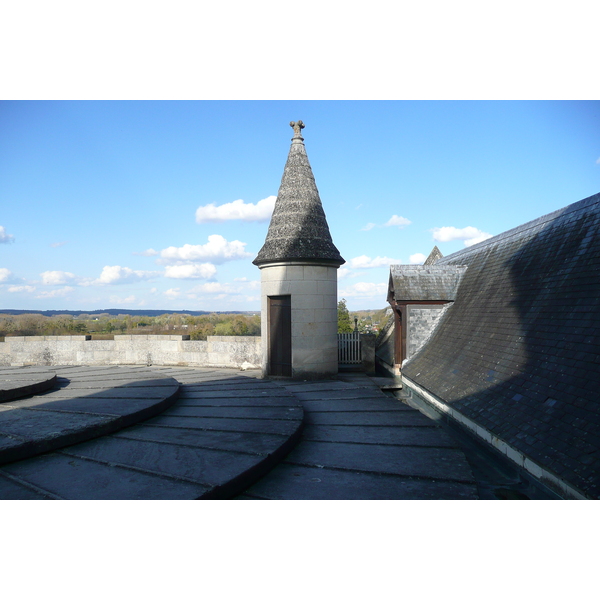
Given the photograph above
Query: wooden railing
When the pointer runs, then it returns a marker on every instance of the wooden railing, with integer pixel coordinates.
(349, 348)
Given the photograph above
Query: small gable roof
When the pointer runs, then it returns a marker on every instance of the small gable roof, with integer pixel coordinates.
(425, 283)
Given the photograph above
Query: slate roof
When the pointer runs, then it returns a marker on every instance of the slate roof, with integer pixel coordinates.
(433, 257)
(298, 228)
(519, 350)
(415, 282)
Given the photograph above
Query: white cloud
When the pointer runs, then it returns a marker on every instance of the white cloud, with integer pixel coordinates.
(366, 262)
(598, 161)
(236, 210)
(57, 244)
(480, 238)
(213, 288)
(21, 288)
(397, 221)
(56, 277)
(5, 275)
(417, 259)
(119, 300)
(394, 221)
(231, 292)
(217, 250)
(149, 252)
(362, 289)
(253, 284)
(190, 271)
(115, 275)
(55, 293)
(470, 235)
(5, 238)
(173, 293)
(344, 273)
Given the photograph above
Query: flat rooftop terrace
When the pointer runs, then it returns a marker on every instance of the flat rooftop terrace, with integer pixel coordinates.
(200, 433)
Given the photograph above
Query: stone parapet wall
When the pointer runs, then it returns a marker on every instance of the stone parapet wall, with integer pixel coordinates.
(367, 352)
(171, 350)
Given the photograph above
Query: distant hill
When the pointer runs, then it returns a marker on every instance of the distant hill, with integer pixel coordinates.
(125, 311)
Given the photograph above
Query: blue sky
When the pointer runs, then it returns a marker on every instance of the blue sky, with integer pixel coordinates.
(104, 203)
(87, 189)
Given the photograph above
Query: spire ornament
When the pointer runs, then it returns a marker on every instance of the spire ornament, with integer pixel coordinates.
(298, 127)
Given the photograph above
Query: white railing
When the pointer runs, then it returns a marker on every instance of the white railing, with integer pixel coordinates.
(349, 348)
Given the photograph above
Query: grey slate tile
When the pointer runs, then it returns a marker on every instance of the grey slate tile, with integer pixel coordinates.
(78, 479)
(385, 418)
(204, 466)
(401, 436)
(311, 483)
(276, 426)
(529, 302)
(435, 463)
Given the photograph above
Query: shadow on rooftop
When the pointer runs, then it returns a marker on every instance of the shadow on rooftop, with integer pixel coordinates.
(519, 351)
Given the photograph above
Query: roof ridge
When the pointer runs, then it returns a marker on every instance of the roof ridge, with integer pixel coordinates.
(525, 227)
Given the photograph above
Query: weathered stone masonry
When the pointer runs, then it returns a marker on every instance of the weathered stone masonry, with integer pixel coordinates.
(172, 350)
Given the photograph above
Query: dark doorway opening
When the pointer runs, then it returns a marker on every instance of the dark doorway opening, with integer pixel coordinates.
(280, 336)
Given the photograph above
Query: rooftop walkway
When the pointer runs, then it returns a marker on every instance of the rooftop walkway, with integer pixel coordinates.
(19, 382)
(186, 433)
(360, 444)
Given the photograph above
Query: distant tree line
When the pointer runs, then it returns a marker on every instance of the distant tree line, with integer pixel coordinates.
(198, 327)
(104, 326)
(366, 321)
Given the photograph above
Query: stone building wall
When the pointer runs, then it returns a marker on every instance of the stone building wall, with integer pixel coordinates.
(171, 350)
(313, 291)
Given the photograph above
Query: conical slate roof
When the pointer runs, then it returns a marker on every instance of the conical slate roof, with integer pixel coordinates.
(298, 230)
(433, 257)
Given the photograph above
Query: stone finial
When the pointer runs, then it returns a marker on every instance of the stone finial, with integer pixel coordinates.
(298, 127)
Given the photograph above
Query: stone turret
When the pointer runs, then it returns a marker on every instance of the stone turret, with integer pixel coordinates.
(298, 264)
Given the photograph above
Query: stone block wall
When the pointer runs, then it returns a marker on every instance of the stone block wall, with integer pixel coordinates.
(367, 349)
(313, 291)
(168, 350)
(227, 351)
